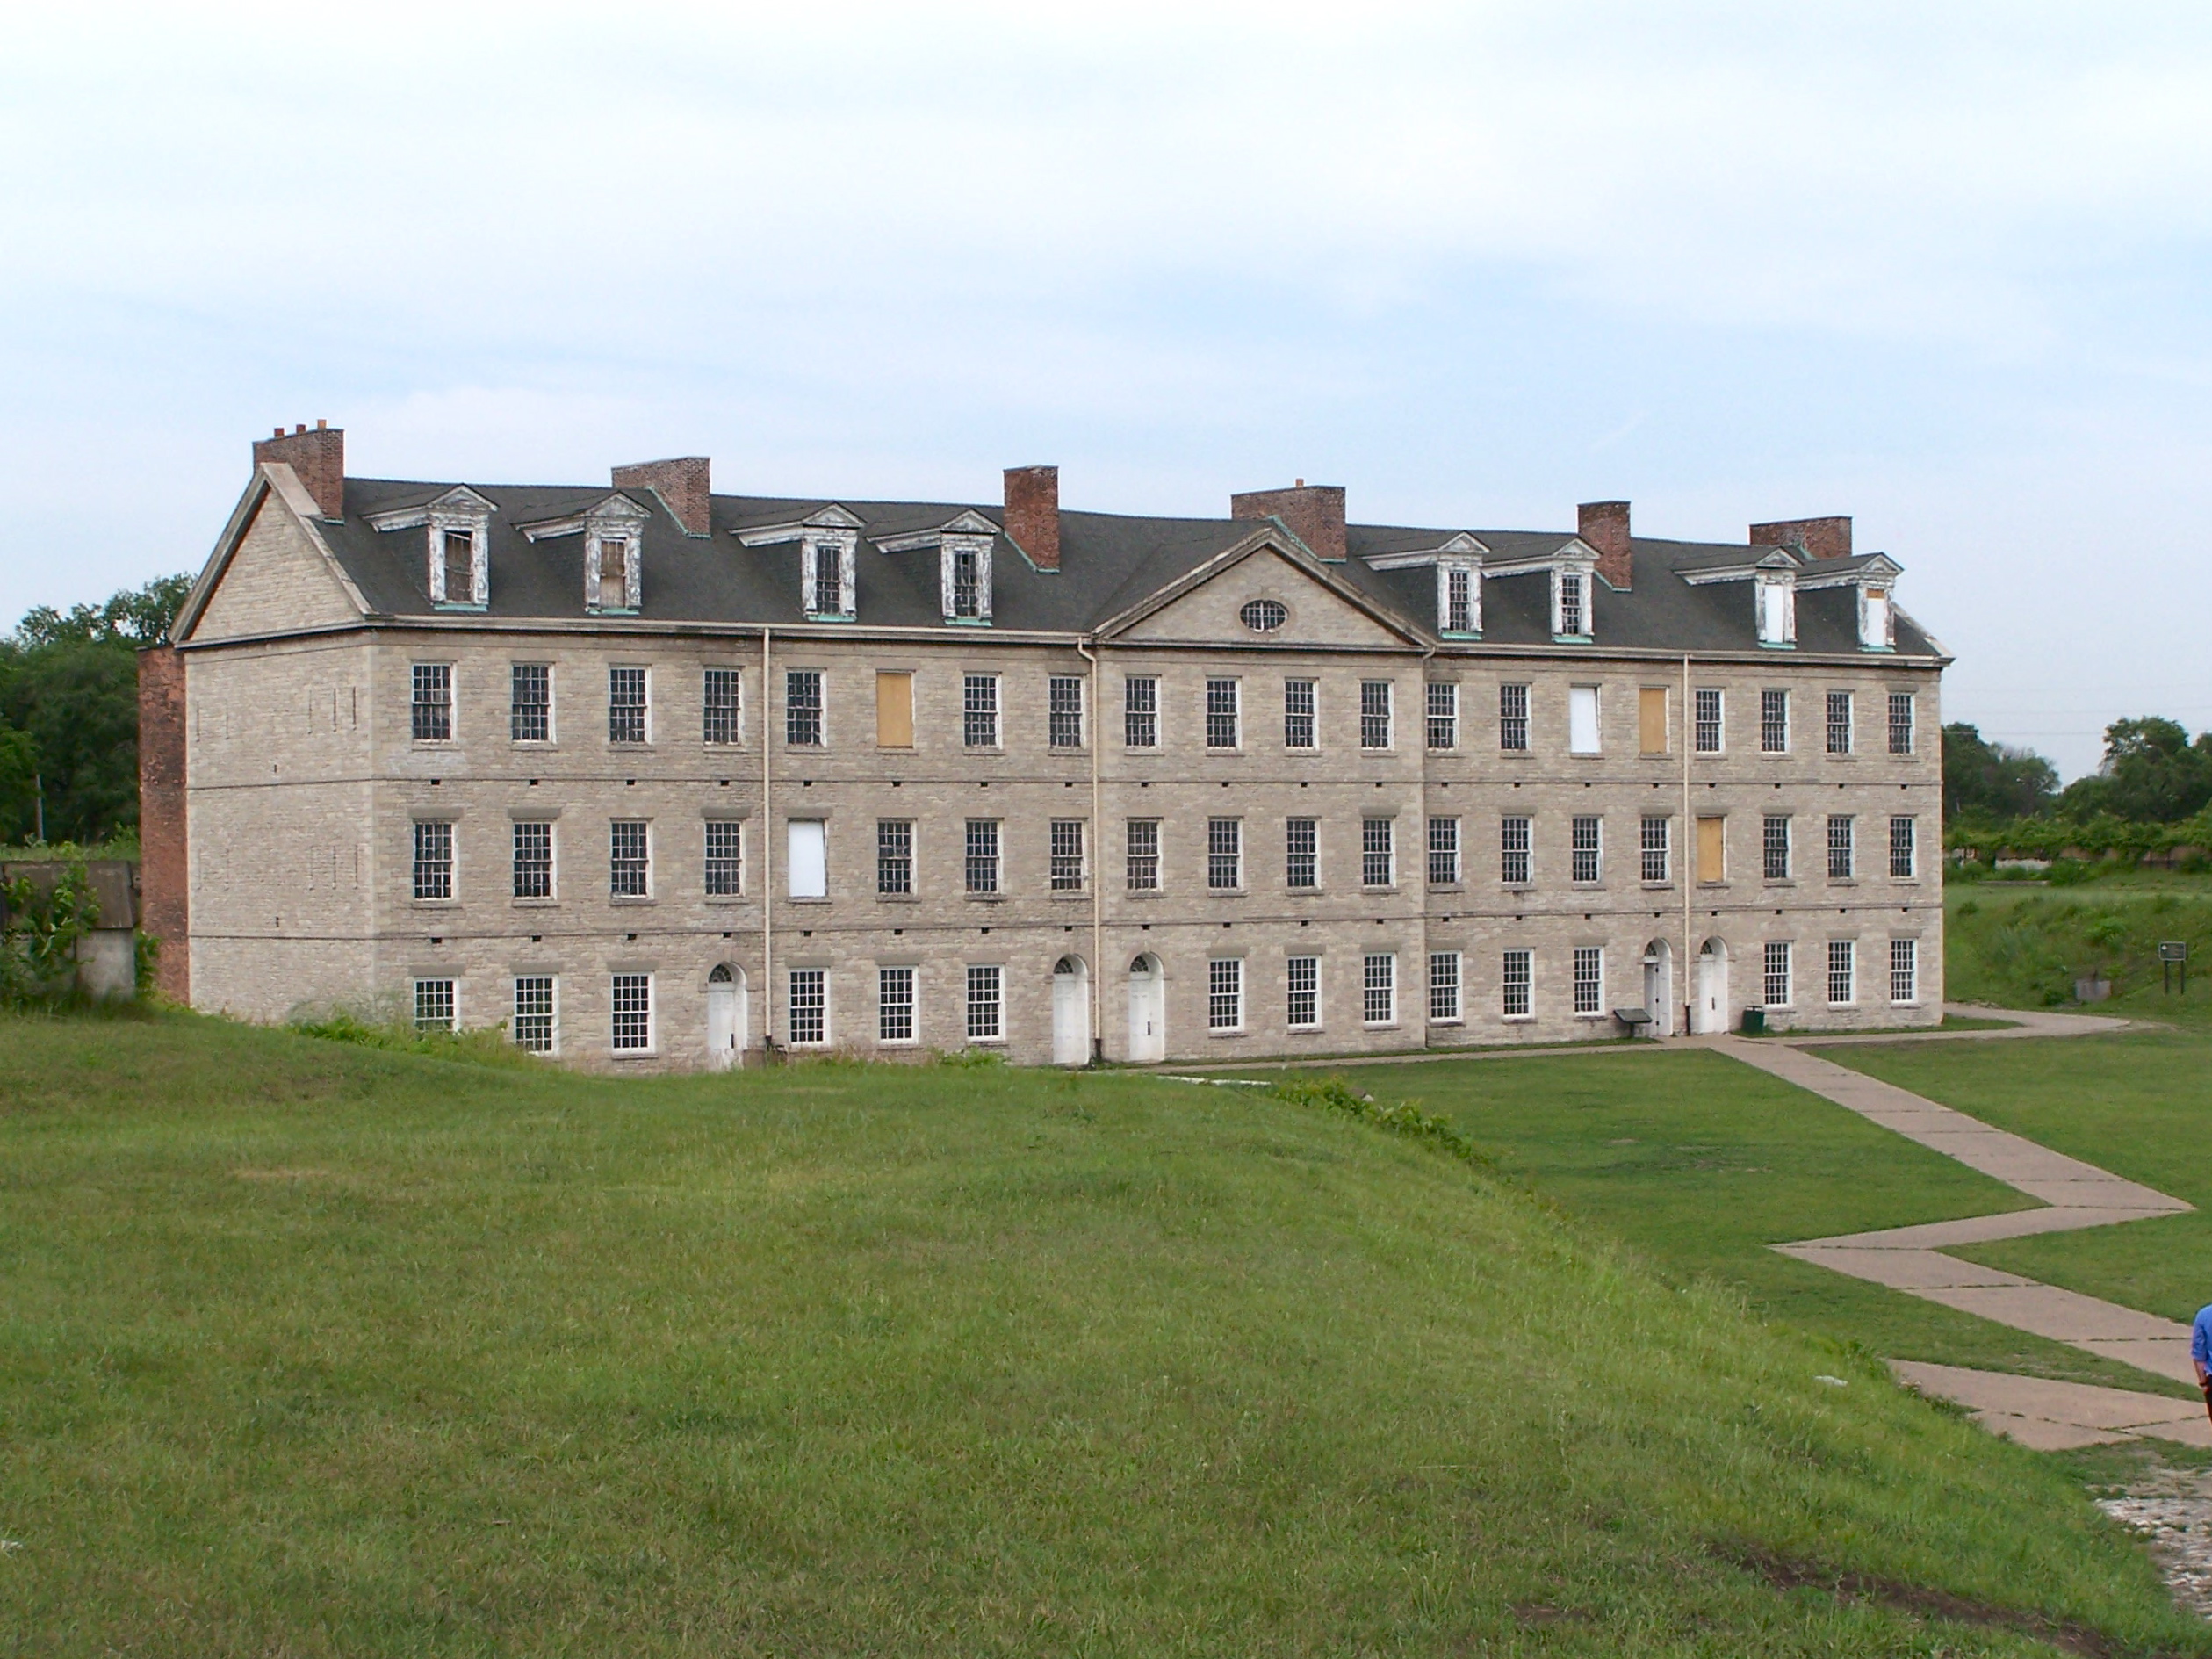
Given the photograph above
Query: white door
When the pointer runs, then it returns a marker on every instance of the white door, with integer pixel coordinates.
(1070, 1012)
(1712, 988)
(1659, 988)
(1148, 1011)
(725, 1017)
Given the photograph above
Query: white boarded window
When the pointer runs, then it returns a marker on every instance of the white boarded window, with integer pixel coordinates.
(1581, 720)
(806, 857)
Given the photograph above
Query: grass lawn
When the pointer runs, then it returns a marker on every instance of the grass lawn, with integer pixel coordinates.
(2021, 947)
(310, 1349)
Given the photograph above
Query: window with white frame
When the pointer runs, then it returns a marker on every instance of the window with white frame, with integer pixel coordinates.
(1144, 855)
(1657, 847)
(1301, 853)
(1777, 602)
(1774, 978)
(1587, 847)
(1774, 721)
(1222, 714)
(1838, 723)
(894, 1004)
(808, 1006)
(1774, 846)
(1517, 985)
(460, 550)
(610, 573)
(1301, 985)
(433, 1005)
(983, 855)
(986, 1003)
(1904, 864)
(895, 857)
(531, 1023)
(433, 859)
(628, 859)
(807, 858)
(829, 595)
(1378, 989)
(1590, 979)
(1444, 987)
(1225, 994)
(967, 582)
(629, 1013)
(1374, 714)
(1299, 724)
(1458, 599)
(1901, 721)
(721, 694)
(1570, 591)
(1513, 718)
(979, 711)
(431, 714)
(1513, 851)
(1904, 971)
(1711, 731)
(1843, 972)
(1443, 714)
(724, 858)
(625, 706)
(1140, 711)
(1064, 711)
(802, 709)
(529, 716)
(1581, 720)
(1378, 852)
(1225, 854)
(1067, 855)
(533, 858)
(1843, 851)
(1444, 851)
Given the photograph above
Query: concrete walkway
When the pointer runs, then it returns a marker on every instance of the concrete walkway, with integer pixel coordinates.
(2057, 1417)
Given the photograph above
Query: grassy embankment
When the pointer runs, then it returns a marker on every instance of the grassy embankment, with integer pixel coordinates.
(313, 1349)
(2023, 946)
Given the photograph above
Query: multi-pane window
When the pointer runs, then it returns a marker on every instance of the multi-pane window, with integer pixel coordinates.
(720, 691)
(1301, 983)
(1900, 722)
(1443, 715)
(894, 1004)
(1517, 985)
(894, 855)
(530, 702)
(627, 856)
(1444, 984)
(986, 1003)
(1513, 717)
(1838, 723)
(533, 859)
(1140, 711)
(1774, 980)
(1657, 848)
(1378, 852)
(1590, 979)
(1374, 714)
(1904, 971)
(630, 1004)
(829, 580)
(532, 1021)
(1225, 994)
(1904, 848)
(1589, 847)
(725, 858)
(1302, 859)
(802, 709)
(1144, 855)
(432, 714)
(460, 566)
(1064, 711)
(1220, 714)
(1444, 851)
(433, 1005)
(1843, 862)
(1513, 851)
(967, 582)
(625, 706)
(1225, 852)
(1774, 848)
(1378, 989)
(1298, 714)
(1843, 972)
(1774, 721)
(983, 855)
(1459, 600)
(1067, 854)
(810, 1007)
(434, 859)
(979, 711)
(1572, 619)
(1709, 720)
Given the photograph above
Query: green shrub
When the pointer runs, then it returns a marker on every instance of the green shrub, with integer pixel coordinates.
(486, 1045)
(38, 939)
(1405, 1117)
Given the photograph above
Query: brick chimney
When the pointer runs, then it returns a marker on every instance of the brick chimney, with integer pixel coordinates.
(681, 485)
(1604, 526)
(1819, 537)
(1315, 513)
(1033, 513)
(318, 458)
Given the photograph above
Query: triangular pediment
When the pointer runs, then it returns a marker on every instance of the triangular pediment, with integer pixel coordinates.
(830, 518)
(967, 521)
(1207, 605)
(271, 572)
(460, 499)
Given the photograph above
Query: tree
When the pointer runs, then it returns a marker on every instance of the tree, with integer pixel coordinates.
(1994, 780)
(2151, 773)
(135, 616)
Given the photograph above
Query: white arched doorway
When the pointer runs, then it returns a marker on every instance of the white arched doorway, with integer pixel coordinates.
(1659, 987)
(1148, 1010)
(1710, 1013)
(728, 1014)
(1070, 1011)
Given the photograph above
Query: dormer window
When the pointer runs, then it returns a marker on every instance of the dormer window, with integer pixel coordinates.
(967, 579)
(1458, 599)
(460, 561)
(611, 580)
(1570, 604)
(1777, 598)
(826, 576)
(1877, 622)
(456, 527)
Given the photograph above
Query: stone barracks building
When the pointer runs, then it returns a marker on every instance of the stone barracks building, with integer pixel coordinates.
(657, 777)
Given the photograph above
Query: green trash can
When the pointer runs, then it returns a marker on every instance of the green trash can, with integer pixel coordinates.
(1755, 1023)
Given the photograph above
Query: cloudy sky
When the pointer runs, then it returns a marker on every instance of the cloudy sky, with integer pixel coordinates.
(1942, 268)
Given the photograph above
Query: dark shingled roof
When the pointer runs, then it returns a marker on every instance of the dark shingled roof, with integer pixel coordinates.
(1109, 562)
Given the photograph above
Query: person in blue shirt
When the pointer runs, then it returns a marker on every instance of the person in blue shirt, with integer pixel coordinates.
(2200, 1353)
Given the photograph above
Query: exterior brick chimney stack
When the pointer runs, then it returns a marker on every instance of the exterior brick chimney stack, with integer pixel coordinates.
(318, 458)
(1604, 526)
(1819, 537)
(682, 485)
(1033, 513)
(1315, 513)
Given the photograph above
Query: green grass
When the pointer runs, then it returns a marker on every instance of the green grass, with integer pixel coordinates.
(311, 1348)
(2023, 947)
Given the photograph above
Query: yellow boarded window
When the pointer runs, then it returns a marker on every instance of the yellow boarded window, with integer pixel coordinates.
(1710, 866)
(1651, 718)
(895, 711)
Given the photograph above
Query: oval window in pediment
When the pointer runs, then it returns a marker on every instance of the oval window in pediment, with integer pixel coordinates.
(1264, 616)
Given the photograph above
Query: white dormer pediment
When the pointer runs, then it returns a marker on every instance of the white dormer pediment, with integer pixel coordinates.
(1462, 546)
(612, 510)
(968, 521)
(832, 518)
(1878, 568)
(459, 501)
(1774, 562)
(456, 545)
